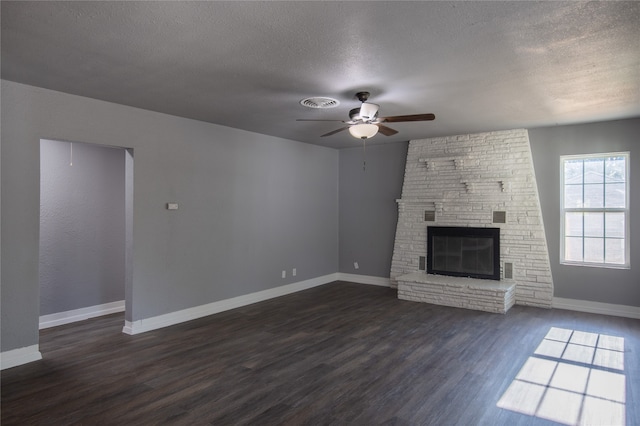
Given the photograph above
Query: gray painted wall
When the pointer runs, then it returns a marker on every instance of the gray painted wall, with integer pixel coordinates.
(617, 286)
(368, 209)
(82, 226)
(250, 205)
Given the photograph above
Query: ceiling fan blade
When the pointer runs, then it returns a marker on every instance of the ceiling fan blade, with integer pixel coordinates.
(311, 119)
(387, 131)
(402, 118)
(334, 132)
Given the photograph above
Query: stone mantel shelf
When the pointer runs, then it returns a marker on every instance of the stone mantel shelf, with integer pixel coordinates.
(471, 184)
(436, 204)
(458, 161)
(415, 201)
(448, 157)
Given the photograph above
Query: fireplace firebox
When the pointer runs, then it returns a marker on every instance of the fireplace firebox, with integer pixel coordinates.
(464, 251)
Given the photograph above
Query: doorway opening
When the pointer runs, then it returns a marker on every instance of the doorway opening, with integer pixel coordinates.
(86, 232)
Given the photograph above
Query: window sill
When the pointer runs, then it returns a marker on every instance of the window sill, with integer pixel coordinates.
(597, 265)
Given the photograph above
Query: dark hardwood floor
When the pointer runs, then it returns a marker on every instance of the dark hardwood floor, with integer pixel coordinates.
(341, 353)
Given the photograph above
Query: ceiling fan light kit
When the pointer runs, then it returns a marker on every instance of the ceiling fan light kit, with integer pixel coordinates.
(363, 131)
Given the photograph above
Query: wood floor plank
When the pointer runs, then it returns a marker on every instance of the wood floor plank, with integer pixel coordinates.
(341, 353)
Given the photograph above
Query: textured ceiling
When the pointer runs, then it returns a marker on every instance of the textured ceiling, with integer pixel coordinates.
(478, 66)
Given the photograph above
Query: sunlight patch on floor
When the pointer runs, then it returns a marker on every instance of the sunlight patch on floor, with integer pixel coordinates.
(569, 380)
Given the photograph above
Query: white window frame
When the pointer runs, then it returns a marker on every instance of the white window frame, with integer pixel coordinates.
(625, 210)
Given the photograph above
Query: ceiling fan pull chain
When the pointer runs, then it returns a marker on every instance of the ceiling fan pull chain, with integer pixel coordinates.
(364, 154)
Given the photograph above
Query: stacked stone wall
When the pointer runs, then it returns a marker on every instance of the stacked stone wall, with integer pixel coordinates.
(465, 179)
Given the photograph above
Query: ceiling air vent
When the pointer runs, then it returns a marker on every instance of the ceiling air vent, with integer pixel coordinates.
(320, 102)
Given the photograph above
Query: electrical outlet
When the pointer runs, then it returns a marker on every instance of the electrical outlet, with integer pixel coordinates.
(355, 265)
(294, 272)
(284, 274)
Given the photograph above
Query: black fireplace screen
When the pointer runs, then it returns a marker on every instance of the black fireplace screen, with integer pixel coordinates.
(464, 251)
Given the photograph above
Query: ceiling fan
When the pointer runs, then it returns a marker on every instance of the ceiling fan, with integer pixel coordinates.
(364, 122)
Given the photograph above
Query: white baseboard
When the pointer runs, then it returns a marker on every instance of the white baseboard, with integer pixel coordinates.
(160, 321)
(597, 307)
(67, 317)
(16, 357)
(364, 279)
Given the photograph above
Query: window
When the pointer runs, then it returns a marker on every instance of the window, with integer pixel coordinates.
(594, 204)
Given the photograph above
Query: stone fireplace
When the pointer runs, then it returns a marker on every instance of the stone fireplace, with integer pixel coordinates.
(473, 181)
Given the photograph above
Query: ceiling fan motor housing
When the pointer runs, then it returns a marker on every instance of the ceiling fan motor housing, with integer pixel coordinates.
(368, 111)
(363, 96)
